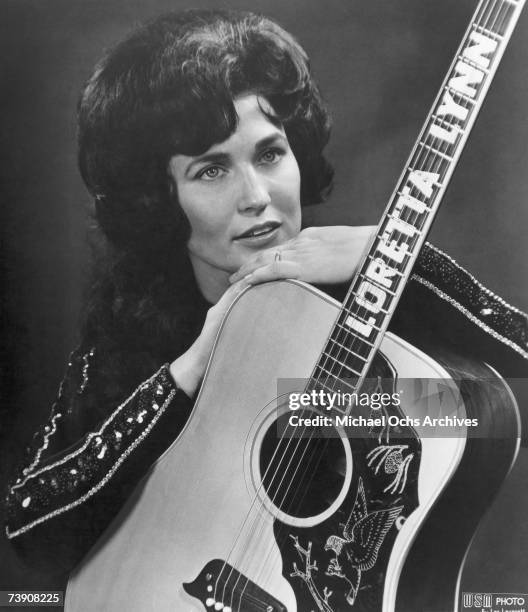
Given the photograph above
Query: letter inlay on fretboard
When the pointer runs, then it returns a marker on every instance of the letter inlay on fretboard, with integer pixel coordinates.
(377, 287)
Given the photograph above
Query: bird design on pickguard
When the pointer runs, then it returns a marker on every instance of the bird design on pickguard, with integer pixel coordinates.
(392, 459)
(357, 550)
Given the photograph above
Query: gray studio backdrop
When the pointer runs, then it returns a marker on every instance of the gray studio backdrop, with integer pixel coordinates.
(379, 64)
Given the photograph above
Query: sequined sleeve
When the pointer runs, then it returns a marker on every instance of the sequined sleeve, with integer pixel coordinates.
(443, 277)
(444, 305)
(61, 501)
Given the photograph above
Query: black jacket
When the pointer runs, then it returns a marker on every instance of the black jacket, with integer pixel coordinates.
(87, 458)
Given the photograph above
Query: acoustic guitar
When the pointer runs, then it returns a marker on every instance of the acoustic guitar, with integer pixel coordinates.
(286, 491)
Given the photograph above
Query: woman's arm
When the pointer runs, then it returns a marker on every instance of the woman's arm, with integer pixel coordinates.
(97, 444)
(442, 300)
(79, 472)
(442, 304)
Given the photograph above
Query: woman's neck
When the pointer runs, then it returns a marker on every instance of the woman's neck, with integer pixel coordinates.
(212, 281)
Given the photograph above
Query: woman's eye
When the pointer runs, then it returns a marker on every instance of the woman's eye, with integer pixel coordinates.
(270, 156)
(210, 173)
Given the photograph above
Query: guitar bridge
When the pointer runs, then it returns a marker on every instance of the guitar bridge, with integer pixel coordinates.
(219, 586)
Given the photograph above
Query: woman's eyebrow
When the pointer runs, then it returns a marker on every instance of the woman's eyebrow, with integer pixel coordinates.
(270, 140)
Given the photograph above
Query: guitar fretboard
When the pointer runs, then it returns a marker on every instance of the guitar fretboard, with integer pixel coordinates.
(378, 285)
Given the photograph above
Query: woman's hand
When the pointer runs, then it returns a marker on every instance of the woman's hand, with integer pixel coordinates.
(189, 369)
(322, 255)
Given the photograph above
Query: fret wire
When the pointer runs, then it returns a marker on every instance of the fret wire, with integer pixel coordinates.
(433, 183)
(320, 385)
(344, 347)
(385, 313)
(437, 160)
(499, 37)
(349, 312)
(345, 365)
(394, 271)
(353, 333)
(362, 276)
(350, 306)
(427, 161)
(400, 194)
(349, 329)
(348, 368)
(431, 163)
(473, 64)
(390, 215)
(368, 348)
(408, 239)
(426, 157)
(397, 272)
(462, 95)
(436, 151)
(407, 254)
(323, 386)
(397, 217)
(317, 385)
(339, 380)
(441, 122)
(388, 291)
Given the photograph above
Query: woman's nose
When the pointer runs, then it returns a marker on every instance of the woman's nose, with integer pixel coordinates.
(254, 193)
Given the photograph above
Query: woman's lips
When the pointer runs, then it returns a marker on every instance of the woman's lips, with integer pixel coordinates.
(259, 235)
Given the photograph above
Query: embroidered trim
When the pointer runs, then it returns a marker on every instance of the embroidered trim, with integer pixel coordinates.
(107, 477)
(477, 282)
(90, 436)
(45, 443)
(469, 315)
(47, 435)
(85, 368)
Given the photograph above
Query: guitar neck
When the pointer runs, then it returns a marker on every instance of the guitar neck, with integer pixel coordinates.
(381, 278)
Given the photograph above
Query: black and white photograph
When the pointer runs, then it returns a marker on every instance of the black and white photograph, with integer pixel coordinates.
(264, 296)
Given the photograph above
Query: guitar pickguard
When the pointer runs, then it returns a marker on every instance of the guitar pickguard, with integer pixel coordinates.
(341, 563)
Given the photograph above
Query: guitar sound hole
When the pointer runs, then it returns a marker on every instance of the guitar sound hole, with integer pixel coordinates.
(302, 476)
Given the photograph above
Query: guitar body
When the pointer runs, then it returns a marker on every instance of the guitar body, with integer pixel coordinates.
(380, 532)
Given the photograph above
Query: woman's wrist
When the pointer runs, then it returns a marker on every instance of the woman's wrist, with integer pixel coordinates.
(187, 371)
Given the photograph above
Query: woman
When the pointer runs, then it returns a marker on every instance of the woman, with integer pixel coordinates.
(201, 137)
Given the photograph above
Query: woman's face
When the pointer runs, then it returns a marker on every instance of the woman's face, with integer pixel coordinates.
(242, 195)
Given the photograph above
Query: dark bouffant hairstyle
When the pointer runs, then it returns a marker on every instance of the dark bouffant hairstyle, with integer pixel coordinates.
(169, 88)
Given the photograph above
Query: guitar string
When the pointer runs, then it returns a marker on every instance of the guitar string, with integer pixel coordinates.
(435, 145)
(306, 464)
(433, 158)
(418, 156)
(418, 161)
